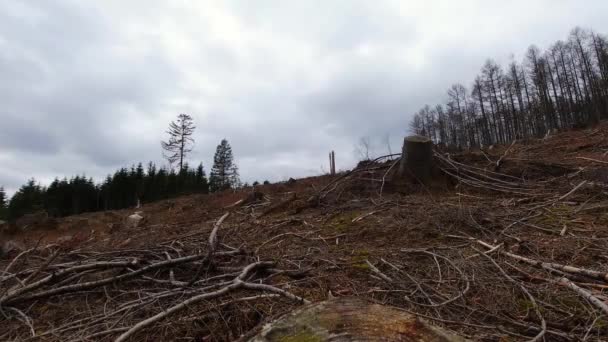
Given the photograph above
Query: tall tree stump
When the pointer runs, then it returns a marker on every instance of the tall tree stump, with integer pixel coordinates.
(351, 319)
(417, 158)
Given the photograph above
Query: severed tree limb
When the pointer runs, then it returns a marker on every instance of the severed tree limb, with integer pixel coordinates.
(386, 173)
(549, 266)
(593, 160)
(14, 298)
(499, 161)
(583, 293)
(212, 247)
(285, 234)
(97, 265)
(13, 262)
(26, 320)
(282, 204)
(41, 268)
(572, 191)
(270, 288)
(377, 271)
(213, 236)
(238, 282)
(362, 216)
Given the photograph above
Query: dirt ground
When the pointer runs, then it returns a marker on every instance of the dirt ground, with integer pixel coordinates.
(417, 248)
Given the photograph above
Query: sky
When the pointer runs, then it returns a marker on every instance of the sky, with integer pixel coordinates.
(87, 87)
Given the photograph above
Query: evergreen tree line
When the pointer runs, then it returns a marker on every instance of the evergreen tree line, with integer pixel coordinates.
(3, 204)
(126, 188)
(565, 86)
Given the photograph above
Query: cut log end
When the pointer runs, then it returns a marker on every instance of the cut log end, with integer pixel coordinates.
(417, 160)
(351, 319)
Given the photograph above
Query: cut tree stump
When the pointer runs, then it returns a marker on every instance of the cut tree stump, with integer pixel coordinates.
(350, 319)
(417, 158)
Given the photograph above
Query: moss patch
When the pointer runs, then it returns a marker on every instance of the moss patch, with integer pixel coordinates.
(341, 223)
(302, 336)
(359, 258)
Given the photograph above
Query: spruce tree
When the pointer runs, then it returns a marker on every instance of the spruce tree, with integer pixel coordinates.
(139, 183)
(224, 174)
(3, 208)
(28, 199)
(180, 140)
(202, 185)
(150, 184)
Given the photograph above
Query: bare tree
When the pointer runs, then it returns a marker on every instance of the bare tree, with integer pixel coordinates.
(563, 87)
(362, 149)
(387, 142)
(180, 140)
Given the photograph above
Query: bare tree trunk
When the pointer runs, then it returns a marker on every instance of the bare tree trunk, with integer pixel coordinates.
(332, 163)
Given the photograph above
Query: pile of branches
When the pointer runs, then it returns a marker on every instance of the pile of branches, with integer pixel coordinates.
(132, 292)
(372, 177)
(369, 177)
(478, 286)
(487, 179)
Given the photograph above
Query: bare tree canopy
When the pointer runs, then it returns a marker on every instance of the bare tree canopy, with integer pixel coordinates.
(563, 87)
(180, 140)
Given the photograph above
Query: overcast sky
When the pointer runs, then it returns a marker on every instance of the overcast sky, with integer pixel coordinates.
(89, 86)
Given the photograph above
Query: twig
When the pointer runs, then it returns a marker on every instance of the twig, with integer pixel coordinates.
(593, 160)
(499, 161)
(15, 260)
(572, 191)
(377, 271)
(387, 172)
(25, 319)
(543, 323)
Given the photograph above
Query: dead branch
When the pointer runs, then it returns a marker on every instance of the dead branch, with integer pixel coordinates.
(377, 271)
(549, 266)
(499, 161)
(593, 160)
(584, 293)
(543, 323)
(238, 282)
(14, 297)
(213, 236)
(278, 206)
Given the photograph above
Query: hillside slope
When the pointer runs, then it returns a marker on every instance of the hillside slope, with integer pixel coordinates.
(357, 234)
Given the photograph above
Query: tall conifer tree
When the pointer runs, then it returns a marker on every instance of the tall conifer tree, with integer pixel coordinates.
(224, 174)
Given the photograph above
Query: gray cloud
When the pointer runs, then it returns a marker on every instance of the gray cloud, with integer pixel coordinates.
(90, 87)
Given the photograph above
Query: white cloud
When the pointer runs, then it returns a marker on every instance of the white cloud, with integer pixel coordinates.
(89, 87)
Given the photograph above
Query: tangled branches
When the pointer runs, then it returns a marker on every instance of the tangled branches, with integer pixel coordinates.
(462, 287)
(129, 290)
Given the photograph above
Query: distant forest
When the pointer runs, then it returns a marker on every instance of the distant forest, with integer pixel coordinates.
(564, 87)
(128, 187)
(121, 190)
